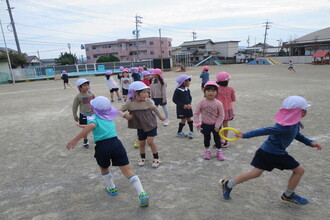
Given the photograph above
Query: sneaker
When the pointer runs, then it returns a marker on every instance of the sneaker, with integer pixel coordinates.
(136, 144)
(294, 198)
(155, 163)
(112, 100)
(166, 122)
(113, 191)
(181, 134)
(191, 135)
(207, 155)
(225, 190)
(86, 144)
(224, 145)
(220, 155)
(141, 161)
(119, 99)
(143, 199)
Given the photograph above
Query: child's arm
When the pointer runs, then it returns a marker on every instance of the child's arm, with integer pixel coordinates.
(233, 96)
(123, 111)
(155, 109)
(75, 108)
(300, 137)
(262, 132)
(221, 116)
(197, 112)
(88, 128)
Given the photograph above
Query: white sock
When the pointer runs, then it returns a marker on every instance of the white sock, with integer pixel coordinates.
(136, 183)
(108, 180)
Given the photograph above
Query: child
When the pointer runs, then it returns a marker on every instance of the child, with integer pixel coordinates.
(212, 114)
(226, 95)
(291, 66)
(146, 77)
(112, 84)
(125, 81)
(158, 92)
(120, 74)
(65, 79)
(82, 100)
(109, 150)
(141, 116)
(182, 99)
(272, 153)
(135, 74)
(205, 76)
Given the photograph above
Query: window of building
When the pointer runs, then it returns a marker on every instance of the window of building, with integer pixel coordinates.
(95, 56)
(152, 52)
(202, 47)
(94, 48)
(151, 43)
(130, 45)
(169, 44)
(88, 57)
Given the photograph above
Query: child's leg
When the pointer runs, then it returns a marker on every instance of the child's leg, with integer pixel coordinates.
(136, 183)
(294, 179)
(165, 111)
(191, 124)
(118, 95)
(110, 185)
(181, 124)
(142, 148)
(111, 95)
(153, 146)
(225, 124)
(255, 173)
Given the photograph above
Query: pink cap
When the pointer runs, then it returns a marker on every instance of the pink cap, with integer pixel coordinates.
(223, 76)
(158, 72)
(211, 83)
(206, 68)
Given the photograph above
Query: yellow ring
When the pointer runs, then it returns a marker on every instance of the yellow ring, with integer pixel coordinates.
(231, 129)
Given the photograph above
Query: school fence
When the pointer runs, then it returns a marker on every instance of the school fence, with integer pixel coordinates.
(54, 72)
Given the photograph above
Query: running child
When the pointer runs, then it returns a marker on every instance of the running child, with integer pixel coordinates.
(112, 84)
(212, 114)
(140, 112)
(108, 149)
(182, 99)
(125, 81)
(272, 153)
(158, 92)
(65, 79)
(226, 95)
(291, 66)
(82, 100)
(205, 76)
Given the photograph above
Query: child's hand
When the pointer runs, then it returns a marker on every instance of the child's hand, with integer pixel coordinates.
(198, 128)
(164, 101)
(71, 144)
(185, 107)
(128, 116)
(188, 106)
(216, 129)
(162, 118)
(317, 145)
(76, 118)
(239, 135)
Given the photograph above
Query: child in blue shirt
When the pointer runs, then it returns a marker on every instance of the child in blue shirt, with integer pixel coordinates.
(205, 76)
(272, 153)
(109, 150)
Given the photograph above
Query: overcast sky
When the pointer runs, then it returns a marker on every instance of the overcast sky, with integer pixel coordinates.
(48, 26)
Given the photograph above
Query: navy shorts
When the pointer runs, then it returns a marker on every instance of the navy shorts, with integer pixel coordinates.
(114, 90)
(125, 91)
(159, 101)
(182, 113)
(267, 161)
(110, 151)
(143, 135)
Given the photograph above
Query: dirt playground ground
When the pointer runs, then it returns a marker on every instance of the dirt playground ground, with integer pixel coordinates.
(41, 179)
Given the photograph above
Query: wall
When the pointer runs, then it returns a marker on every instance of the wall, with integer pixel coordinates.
(296, 59)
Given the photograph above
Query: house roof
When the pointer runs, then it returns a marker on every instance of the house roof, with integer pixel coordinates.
(320, 35)
(196, 42)
(321, 54)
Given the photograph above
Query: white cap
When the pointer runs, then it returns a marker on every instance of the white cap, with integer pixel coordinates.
(81, 81)
(138, 85)
(295, 102)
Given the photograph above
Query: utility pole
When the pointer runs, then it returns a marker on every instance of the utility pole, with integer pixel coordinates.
(8, 57)
(161, 49)
(248, 41)
(136, 32)
(69, 46)
(194, 35)
(266, 28)
(14, 28)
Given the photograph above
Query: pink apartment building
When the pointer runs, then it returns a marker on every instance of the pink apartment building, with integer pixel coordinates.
(125, 49)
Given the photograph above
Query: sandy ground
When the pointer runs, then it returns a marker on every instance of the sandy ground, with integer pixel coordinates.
(41, 179)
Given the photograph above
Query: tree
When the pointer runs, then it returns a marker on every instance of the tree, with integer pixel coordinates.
(67, 59)
(105, 59)
(16, 60)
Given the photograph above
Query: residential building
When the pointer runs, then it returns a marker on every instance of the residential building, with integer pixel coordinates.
(126, 49)
(309, 44)
(192, 52)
